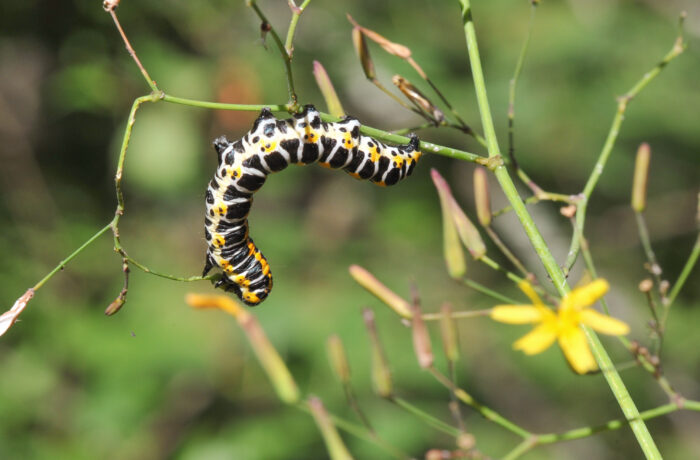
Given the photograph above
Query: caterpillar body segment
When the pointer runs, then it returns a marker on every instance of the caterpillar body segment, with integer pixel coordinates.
(270, 146)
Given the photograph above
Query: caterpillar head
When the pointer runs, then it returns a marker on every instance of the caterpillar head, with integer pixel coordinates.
(414, 143)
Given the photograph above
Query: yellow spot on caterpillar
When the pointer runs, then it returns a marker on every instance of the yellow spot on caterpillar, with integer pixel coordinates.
(398, 161)
(310, 135)
(218, 241)
(348, 141)
(269, 147)
(233, 172)
(241, 280)
(251, 297)
(381, 183)
(324, 164)
(228, 269)
(355, 175)
(266, 269)
(374, 155)
(221, 209)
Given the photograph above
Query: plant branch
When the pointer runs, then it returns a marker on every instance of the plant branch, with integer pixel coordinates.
(110, 8)
(622, 102)
(296, 13)
(286, 57)
(62, 264)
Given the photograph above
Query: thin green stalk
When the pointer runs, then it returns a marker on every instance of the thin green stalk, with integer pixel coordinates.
(678, 47)
(538, 192)
(151, 83)
(685, 273)
(61, 265)
(296, 13)
(457, 314)
(613, 378)
(222, 106)
(583, 432)
(486, 412)
(427, 418)
(654, 266)
(490, 292)
(522, 448)
(150, 271)
(286, 58)
(359, 432)
(506, 251)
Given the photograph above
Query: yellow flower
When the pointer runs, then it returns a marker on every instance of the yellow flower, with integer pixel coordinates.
(564, 325)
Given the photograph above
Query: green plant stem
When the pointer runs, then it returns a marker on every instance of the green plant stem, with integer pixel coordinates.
(151, 83)
(186, 279)
(536, 190)
(296, 13)
(286, 58)
(507, 252)
(457, 314)
(685, 273)
(583, 432)
(359, 432)
(427, 418)
(613, 378)
(648, 366)
(486, 412)
(524, 446)
(622, 103)
(654, 266)
(223, 106)
(490, 292)
(61, 265)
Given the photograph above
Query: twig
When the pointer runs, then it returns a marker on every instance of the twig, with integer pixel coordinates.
(488, 413)
(286, 57)
(110, 8)
(678, 47)
(296, 13)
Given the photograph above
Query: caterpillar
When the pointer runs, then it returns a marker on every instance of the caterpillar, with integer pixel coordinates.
(270, 146)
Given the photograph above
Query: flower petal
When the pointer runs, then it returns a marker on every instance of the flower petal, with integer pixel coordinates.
(603, 323)
(537, 340)
(530, 292)
(585, 296)
(575, 347)
(517, 314)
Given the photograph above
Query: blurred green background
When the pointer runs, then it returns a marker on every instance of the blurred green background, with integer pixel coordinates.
(160, 380)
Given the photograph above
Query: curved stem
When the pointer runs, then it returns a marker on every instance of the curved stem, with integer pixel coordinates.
(296, 13)
(286, 57)
(622, 103)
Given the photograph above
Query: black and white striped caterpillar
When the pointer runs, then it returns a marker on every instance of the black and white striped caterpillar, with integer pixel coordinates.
(271, 146)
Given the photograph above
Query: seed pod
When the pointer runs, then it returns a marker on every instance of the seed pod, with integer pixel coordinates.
(421, 339)
(335, 108)
(338, 358)
(481, 196)
(383, 293)
(641, 175)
